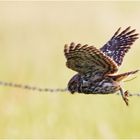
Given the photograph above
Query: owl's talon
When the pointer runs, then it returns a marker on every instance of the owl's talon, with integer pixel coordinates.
(124, 96)
(126, 93)
(126, 100)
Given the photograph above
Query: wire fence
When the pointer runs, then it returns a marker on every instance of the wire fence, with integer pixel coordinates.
(39, 89)
(34, 88)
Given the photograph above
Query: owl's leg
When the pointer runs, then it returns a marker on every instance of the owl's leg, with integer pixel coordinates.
(124, 96)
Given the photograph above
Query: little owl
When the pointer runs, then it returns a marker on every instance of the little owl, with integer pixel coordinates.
(97, 67)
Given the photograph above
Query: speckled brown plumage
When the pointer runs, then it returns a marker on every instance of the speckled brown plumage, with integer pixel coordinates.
(96, 68)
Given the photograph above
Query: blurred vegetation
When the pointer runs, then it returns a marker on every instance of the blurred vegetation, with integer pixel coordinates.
(32, 36)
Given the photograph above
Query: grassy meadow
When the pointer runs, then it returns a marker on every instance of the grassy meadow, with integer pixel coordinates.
(32, 38)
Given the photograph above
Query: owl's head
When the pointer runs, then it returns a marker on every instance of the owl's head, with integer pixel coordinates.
(74, 83)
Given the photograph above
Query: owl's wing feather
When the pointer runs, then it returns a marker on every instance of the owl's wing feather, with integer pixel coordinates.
(119, 44)
(86, 58)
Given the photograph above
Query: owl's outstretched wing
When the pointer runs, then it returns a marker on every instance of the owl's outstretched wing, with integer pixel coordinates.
(84, 59)
(119, 44)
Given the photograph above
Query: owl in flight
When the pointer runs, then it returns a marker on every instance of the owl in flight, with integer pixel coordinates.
(97, 67)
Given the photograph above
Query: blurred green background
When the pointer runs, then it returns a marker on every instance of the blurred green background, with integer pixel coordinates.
(32, 38)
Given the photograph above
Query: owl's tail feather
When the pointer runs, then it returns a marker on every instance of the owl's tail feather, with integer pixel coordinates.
(120, 77)
(33, 88)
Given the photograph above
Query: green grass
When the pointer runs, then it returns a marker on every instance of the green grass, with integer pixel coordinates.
(32, 36)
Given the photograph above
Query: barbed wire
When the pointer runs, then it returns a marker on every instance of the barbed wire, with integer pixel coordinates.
(131, 94)
(34, 88)
(39, 89)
